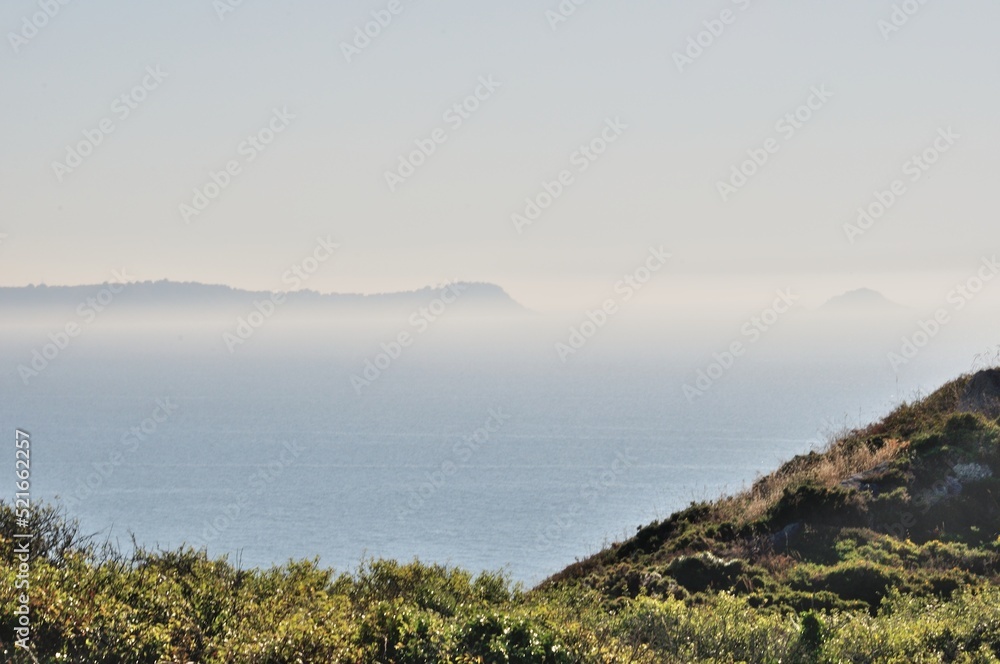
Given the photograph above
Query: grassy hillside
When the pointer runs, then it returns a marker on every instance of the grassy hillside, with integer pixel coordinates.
(882, 548)
(907, 504)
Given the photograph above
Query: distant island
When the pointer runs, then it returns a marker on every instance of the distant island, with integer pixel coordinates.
(883, 547)
(861, 301)
(193, 296)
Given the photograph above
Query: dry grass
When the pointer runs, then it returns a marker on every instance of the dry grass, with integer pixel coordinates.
(847, 455)
(839, 462)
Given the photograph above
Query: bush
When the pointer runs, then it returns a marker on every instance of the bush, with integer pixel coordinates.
(812, 502)
(706, 571)
(850, 580)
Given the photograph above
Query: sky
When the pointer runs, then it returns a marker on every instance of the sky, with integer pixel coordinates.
(349, 109)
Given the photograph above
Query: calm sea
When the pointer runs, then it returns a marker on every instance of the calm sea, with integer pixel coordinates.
(471, 458)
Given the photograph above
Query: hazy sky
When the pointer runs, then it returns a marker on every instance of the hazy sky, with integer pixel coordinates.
(679, 133)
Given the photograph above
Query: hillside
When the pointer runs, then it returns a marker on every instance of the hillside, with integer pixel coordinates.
(907, 504)
(882, 548)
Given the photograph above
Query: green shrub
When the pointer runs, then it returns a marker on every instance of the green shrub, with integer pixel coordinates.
(811, 502)
(704, 571)
(850, 580)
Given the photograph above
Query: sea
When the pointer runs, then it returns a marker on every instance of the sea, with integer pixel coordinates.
(492, 455)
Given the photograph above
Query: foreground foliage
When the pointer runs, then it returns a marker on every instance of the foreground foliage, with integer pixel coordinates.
(182, 607)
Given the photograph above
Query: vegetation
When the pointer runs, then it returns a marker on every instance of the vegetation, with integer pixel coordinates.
(882, 548)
